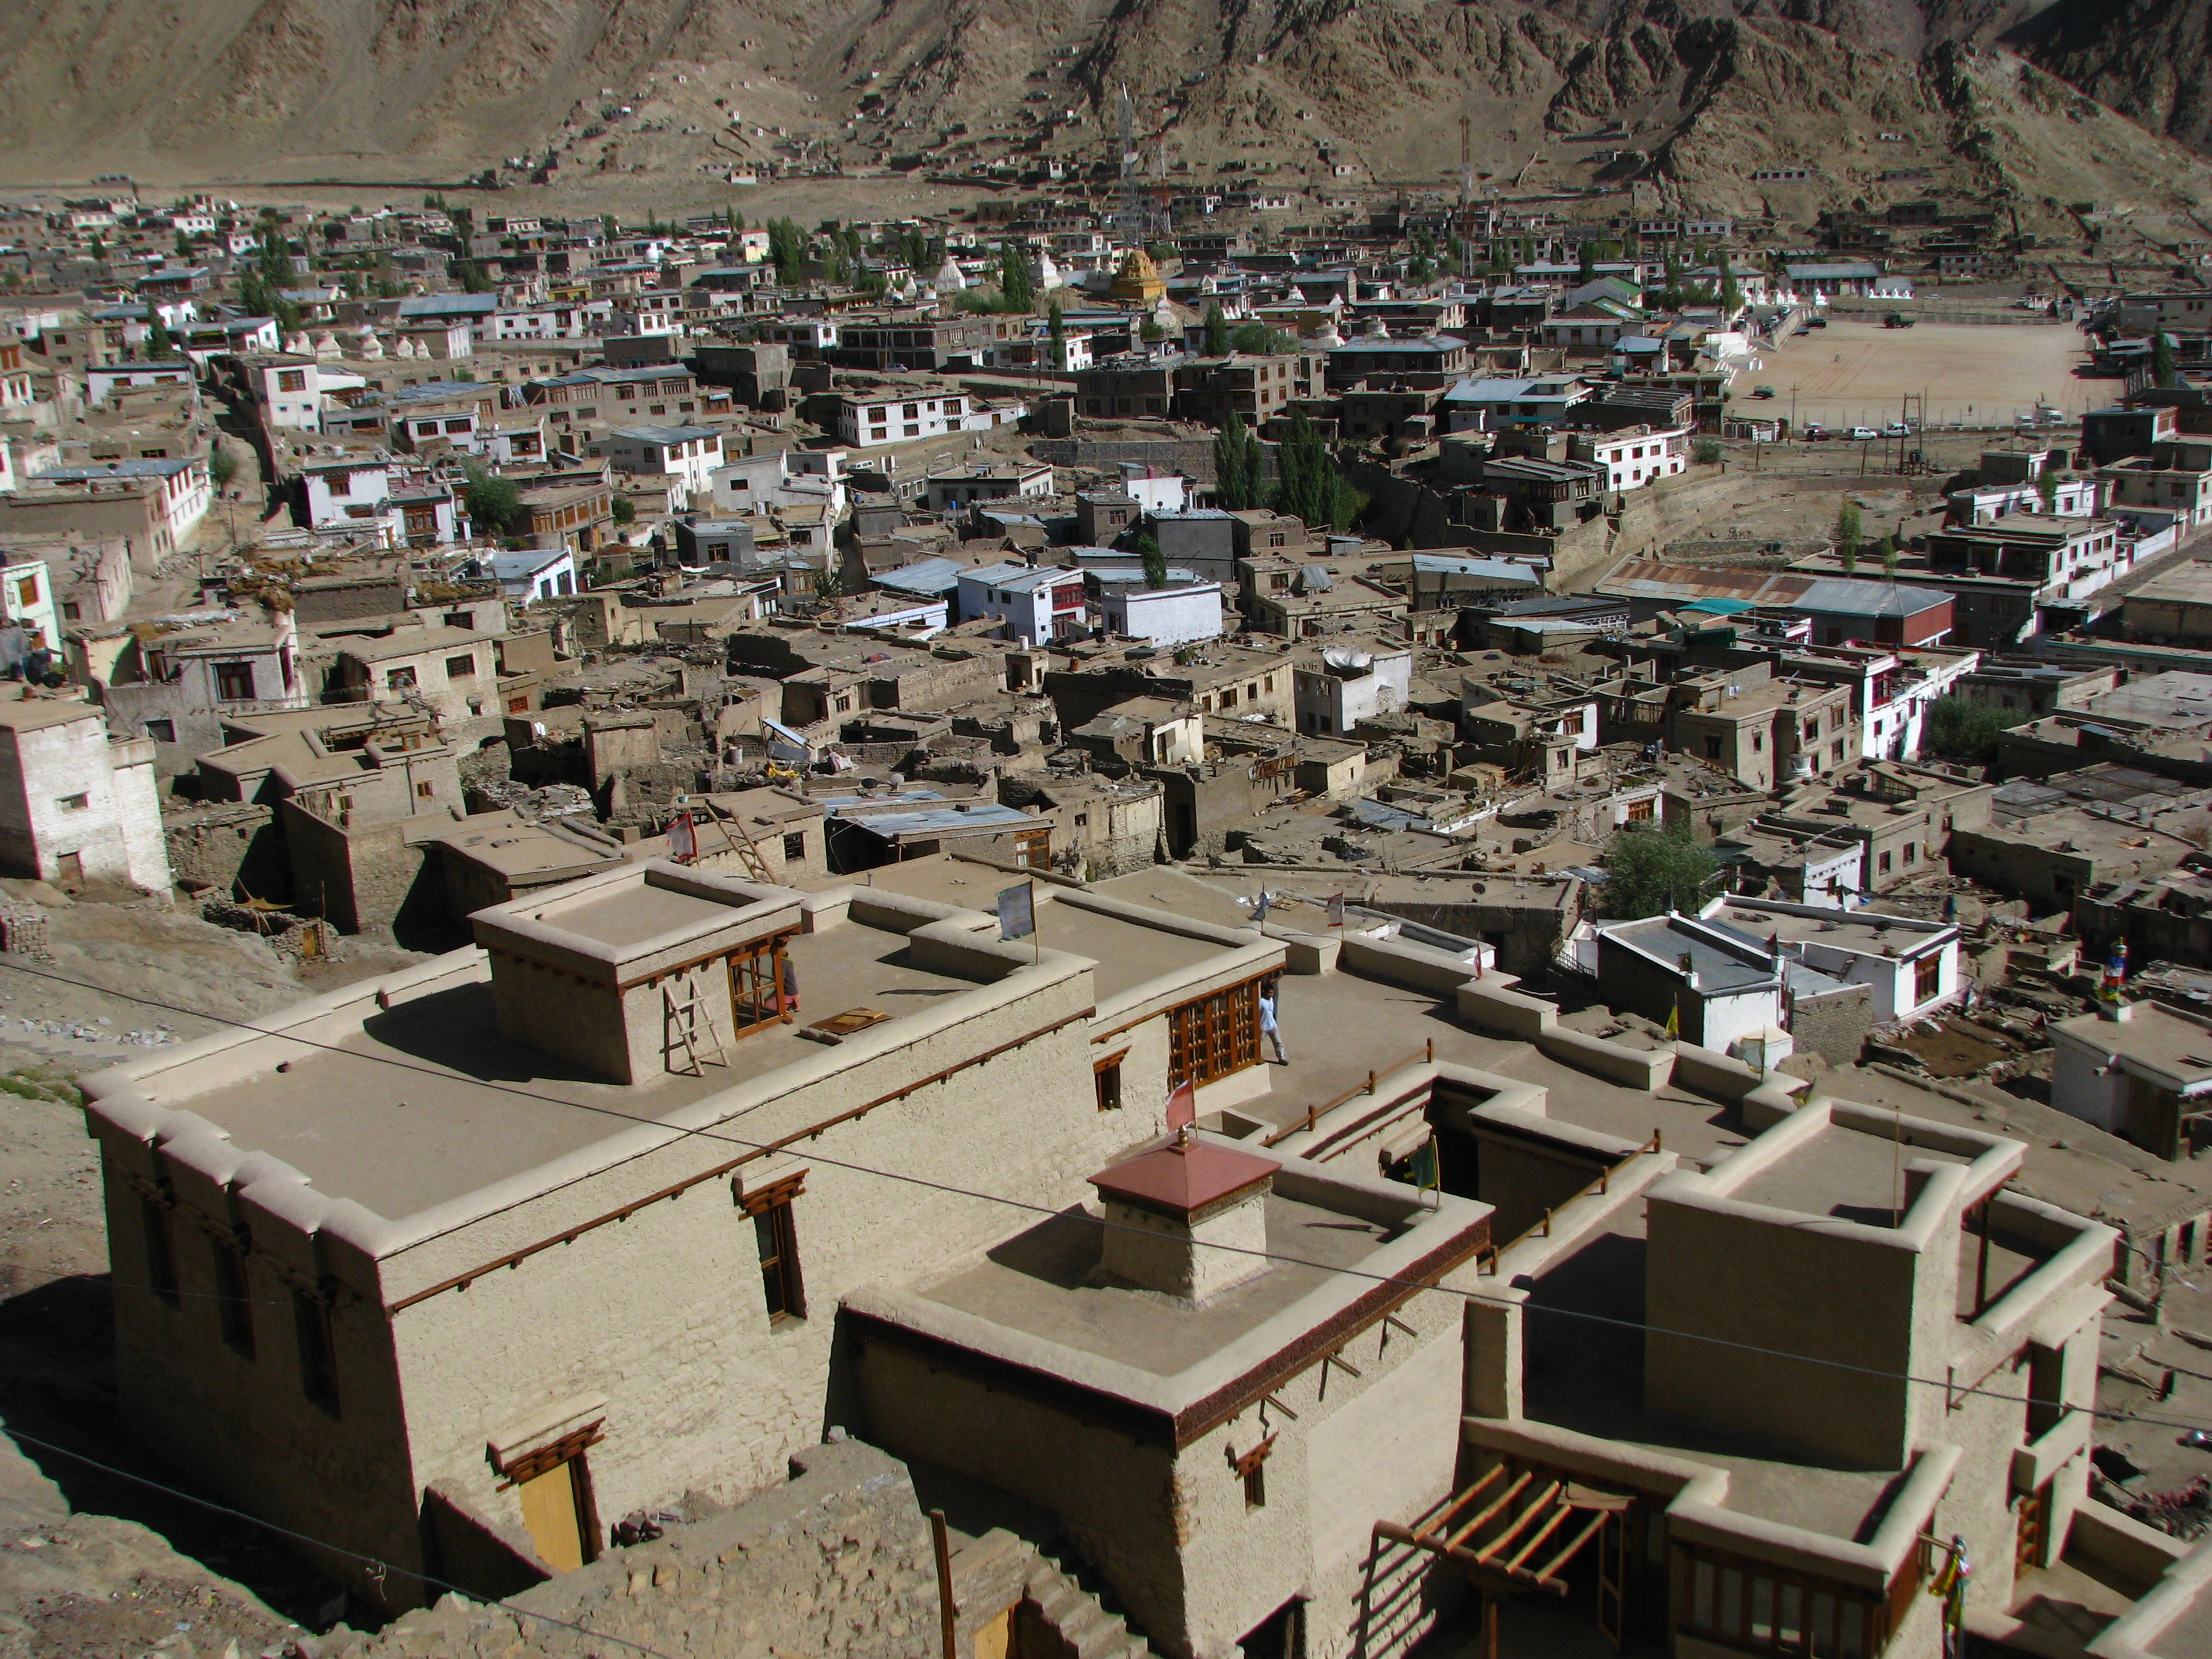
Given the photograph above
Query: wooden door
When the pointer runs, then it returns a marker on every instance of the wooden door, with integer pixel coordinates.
(995, 1638)
(554, 1517)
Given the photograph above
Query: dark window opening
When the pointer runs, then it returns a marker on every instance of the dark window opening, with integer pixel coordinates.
(319, 1353)
(160, 1249)
(234, 1297)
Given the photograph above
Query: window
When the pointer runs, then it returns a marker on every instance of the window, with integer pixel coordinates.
(73, 803)
(26, 590)
(461, 668)
(1927, 977)
(1912, 852)
(777, 1239)
(1712, 747)
(233, 682)
(1763, 1610)
(319, 1354)
(1641, 812)
(1106, 1080)
(795, 846)
(156, 1223)
(233, 1291)
(425, 790)
(399, 679)
(1214, 1036)
(1758, 743)
(161, 731)
(291, 380)
(1252, 1469)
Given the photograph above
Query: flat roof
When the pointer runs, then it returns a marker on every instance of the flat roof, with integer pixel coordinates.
(431, 1077)
(1843, 930)
(2169, 1040)
(1043, 1282)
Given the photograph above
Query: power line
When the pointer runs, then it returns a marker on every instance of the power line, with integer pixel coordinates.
(378, 1566)
(1949, 1387)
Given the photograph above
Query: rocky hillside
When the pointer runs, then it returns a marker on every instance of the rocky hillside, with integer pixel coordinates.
(2147, 59)
(1686, 99)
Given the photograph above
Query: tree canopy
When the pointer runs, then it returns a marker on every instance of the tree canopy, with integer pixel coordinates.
(1648, 870)
(1236, 465)
(1309, 486)
(1217, 330)
(494, 504)
(1962, 730)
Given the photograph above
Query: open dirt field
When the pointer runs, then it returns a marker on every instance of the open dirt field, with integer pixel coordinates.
(1853, 373)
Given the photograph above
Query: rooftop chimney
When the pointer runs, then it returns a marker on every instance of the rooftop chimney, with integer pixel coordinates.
(1188, 1219)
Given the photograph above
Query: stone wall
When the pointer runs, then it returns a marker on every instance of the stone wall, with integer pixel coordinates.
(1834, 1026)
(837, 1561)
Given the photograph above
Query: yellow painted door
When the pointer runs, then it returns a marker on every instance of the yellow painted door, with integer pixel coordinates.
(549, 1510)
(995, 1640)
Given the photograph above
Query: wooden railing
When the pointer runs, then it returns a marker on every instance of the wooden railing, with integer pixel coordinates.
(1426, 1054)
(1486, 1259)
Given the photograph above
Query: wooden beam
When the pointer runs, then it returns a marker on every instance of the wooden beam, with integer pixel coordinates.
(1580, 1539)
(1442, 1518)
(1491, 1509)
(1531, 1512)
(1488, 1574)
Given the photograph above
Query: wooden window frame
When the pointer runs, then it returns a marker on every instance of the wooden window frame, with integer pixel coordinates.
(1251, 1468)
(755, 964)
(569, 1449)
(1215, 1036)
(1106, 1081)
(1817, 1599)
(775, 1236)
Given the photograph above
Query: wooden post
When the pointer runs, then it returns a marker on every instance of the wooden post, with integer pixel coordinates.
(947, 1608)
(1489, 1626)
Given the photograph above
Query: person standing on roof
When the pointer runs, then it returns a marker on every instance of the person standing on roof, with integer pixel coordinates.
(1268, 1026)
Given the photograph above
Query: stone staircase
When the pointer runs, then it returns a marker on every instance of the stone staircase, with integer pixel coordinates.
(1063, 1606)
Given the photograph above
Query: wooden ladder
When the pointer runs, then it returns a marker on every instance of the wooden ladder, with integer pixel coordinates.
(689, 1025)
(741, 843)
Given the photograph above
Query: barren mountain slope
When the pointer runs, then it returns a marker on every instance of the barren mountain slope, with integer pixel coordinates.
(2147, 59)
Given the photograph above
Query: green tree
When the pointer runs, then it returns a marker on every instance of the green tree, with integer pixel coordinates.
(183, 246)
(1650, 870)
(474, 279)
(494, 504)
(1149, 330)
(829, 585)
(2163, 372)
(1055, 324)
(1260, 340)
(223, 466)
(2046, 486)
(1586, 262)
(1848, 534)
(625, 510)
(1731, 295)
(1156, 562)
(1236, 465)
(1889, 555)
(159, 344)
(1962, 730)
(1017, 287)
(1706, 451)
(1308, 485)
(1671, 292)
(1217, 330)
(98, 248)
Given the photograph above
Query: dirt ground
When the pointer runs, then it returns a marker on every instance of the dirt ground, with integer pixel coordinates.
(1853, 373)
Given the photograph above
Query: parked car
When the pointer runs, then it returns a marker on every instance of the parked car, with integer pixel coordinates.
(1816, 322)
(1762, 391)
(1897, 430)
(1814, 432)
(1863, 435)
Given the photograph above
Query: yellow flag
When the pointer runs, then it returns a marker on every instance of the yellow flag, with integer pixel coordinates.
(1675, 1021)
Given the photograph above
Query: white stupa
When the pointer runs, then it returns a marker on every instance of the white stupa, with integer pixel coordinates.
(327, 344)
(949, 278)
(1046, 273)
(366, 347)
(298, 344)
